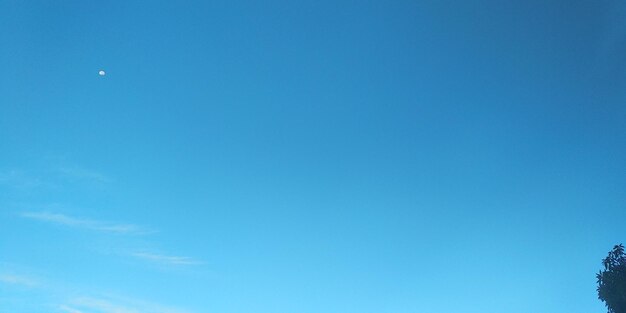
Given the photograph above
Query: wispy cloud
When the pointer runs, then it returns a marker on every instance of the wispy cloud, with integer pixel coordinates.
(166, 259)
(89, 224)
(18, 280)
(107, 227)
(19, 179)
(29, 179)
(67, 298)
(84, 174)
(69, 309)
(102, 305)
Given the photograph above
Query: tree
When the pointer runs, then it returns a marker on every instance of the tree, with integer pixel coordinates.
(612, 281)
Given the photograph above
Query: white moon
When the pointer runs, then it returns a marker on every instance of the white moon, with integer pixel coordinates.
(102, 73)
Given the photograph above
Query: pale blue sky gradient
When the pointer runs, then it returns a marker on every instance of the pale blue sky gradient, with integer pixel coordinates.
(320, 156)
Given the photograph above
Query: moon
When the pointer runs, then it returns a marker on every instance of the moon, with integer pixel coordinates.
(101, 73)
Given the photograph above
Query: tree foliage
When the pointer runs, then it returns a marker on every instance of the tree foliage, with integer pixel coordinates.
(612, 281)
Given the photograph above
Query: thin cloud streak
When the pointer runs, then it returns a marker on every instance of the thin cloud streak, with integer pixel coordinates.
(65, 220)
(66, 298)
(20, 179)
(166, 259)
(109, 306)
(69, 309)
(18, 280)
(102, 306)
(84, 174)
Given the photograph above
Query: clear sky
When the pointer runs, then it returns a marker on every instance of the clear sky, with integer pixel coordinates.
(319, 156)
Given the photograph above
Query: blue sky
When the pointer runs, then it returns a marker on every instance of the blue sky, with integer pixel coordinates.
(322, 156)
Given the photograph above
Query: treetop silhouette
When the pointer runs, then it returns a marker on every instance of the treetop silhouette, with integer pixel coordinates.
(612, 281)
